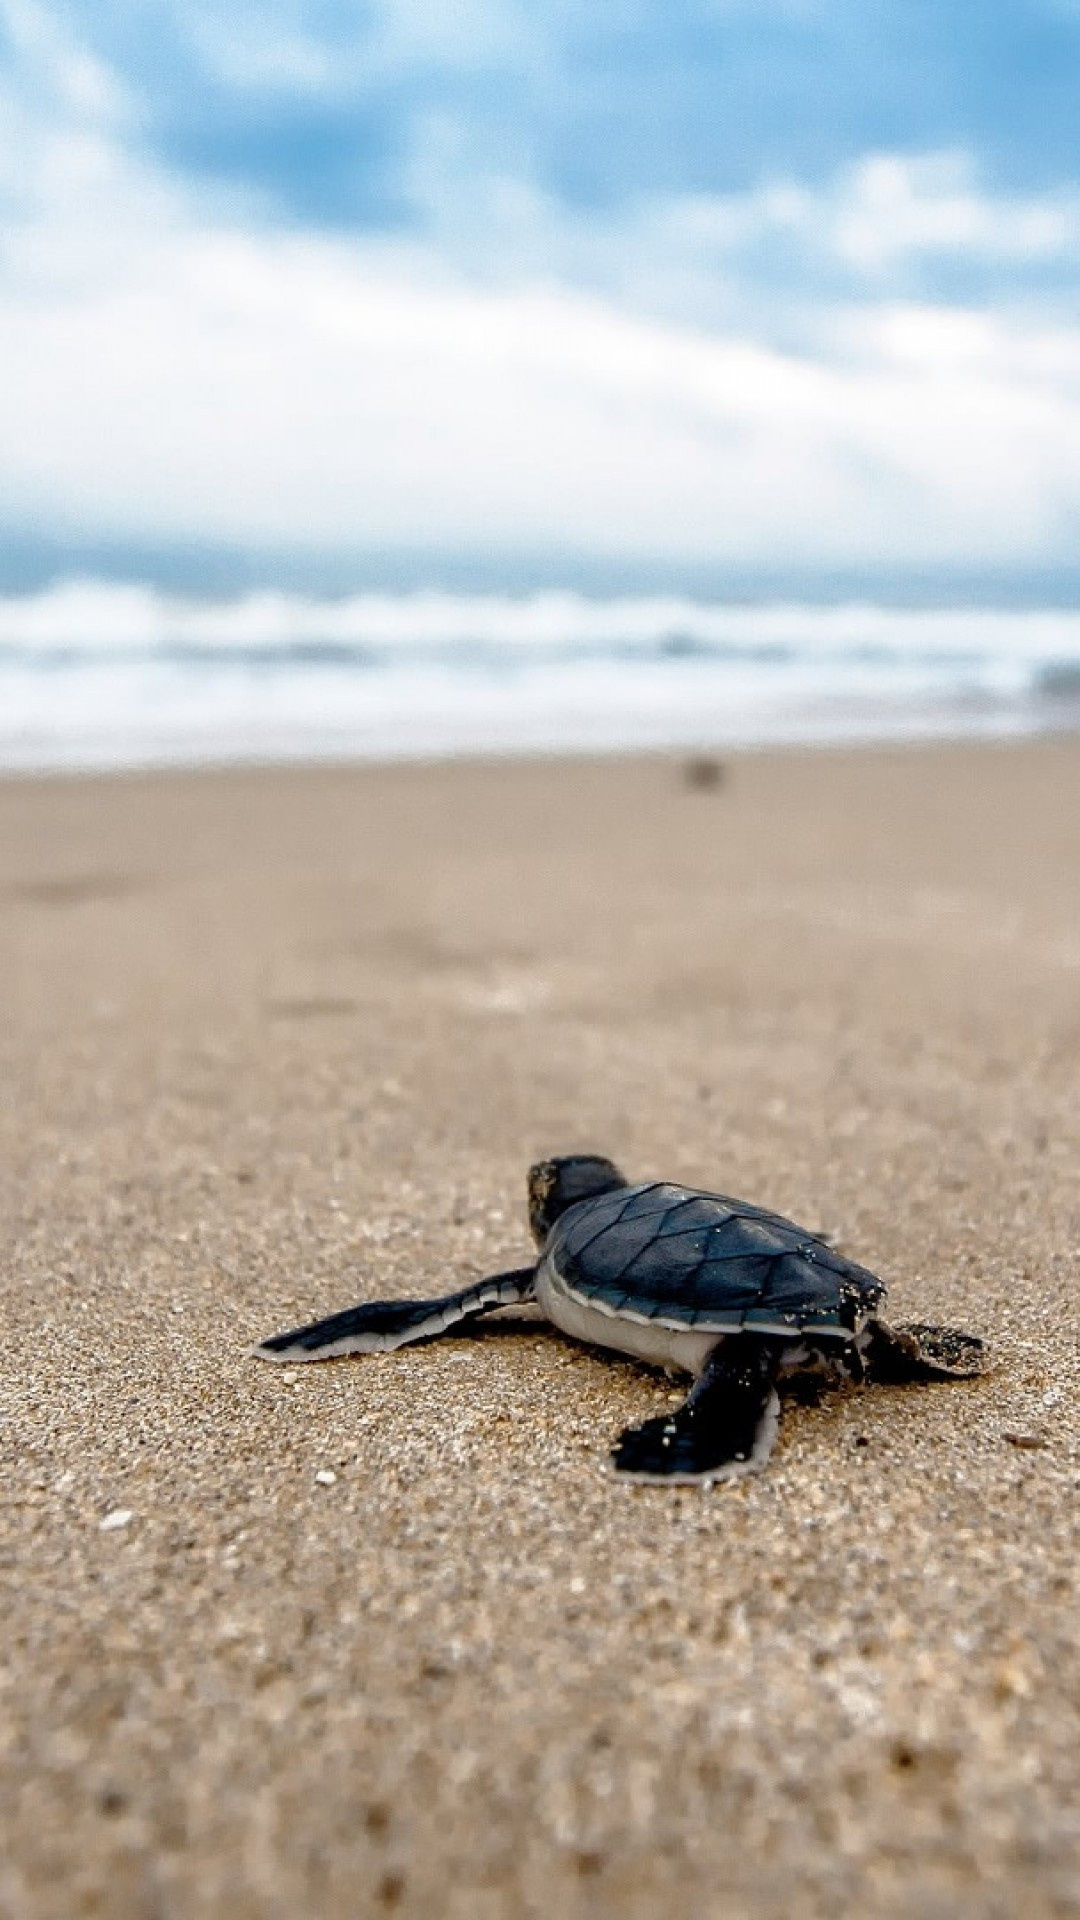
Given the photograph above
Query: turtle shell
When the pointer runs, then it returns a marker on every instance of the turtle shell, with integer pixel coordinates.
(685, 1258)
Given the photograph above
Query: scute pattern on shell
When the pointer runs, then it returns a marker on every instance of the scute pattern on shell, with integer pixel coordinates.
(682, 1255)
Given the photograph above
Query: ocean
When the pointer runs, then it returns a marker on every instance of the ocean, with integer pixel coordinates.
(99, 676)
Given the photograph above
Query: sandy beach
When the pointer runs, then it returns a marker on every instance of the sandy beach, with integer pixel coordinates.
(384, 1635)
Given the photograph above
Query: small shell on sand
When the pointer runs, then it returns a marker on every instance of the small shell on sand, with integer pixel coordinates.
(114, 1521)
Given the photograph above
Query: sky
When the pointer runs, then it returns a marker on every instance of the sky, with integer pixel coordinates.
(775, 295)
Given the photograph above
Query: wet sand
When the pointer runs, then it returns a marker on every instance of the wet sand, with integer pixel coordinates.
(384, 1636)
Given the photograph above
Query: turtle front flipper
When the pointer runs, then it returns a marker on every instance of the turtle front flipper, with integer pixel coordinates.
(916, 1351)
(379, 1326)
(726, 1426)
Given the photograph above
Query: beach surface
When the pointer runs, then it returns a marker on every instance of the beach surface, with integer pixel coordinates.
(384, 1636)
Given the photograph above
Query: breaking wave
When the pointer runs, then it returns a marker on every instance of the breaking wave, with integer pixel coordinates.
(93, 674)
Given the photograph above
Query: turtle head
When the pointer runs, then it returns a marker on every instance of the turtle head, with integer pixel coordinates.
(555, 1185)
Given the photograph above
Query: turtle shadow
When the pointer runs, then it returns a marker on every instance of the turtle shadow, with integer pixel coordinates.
(805, 1390)
(510, 1328)
(519, 1324)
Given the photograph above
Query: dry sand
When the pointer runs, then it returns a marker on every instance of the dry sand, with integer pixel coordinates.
(272, 1042)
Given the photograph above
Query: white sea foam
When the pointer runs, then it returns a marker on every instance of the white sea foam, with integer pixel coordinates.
(93, 674)
(94, 615)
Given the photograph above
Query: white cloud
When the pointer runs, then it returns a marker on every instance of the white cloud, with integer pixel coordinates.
(170, 372)
(891, 208)
(470, 33)
(252, 54)
(261, 389)
(251, 51)
(767, 261)
(931, 204)
(69, 73)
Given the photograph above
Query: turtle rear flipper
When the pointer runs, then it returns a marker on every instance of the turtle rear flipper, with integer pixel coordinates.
(378, 1326)
(726, 1427)
(916, 1351)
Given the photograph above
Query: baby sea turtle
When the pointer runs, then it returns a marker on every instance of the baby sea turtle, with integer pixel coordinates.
(732, 1294)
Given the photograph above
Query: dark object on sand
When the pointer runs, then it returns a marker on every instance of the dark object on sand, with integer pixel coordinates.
(732, 1294)
(703, 773)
